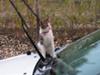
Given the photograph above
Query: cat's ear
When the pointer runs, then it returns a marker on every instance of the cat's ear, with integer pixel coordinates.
(48, 19)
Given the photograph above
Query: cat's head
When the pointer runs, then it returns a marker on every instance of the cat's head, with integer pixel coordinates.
(45, 23)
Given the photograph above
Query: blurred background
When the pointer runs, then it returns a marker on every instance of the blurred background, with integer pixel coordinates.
(71, 19)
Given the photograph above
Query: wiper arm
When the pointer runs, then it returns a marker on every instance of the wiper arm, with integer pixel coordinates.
(24, 25)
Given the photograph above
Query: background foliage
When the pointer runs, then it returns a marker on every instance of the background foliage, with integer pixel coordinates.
(66, 15)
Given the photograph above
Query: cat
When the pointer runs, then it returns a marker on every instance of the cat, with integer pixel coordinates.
(46, 42)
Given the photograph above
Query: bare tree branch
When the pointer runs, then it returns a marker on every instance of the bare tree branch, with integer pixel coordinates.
(38, 18)
(36, 14)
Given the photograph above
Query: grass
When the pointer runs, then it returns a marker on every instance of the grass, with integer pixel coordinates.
(67, 14)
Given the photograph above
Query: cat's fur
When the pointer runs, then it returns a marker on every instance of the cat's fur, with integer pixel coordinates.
(46, 43)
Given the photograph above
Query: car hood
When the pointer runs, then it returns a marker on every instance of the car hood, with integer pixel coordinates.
(19, 65)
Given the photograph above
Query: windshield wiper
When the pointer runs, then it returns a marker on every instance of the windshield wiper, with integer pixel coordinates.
(24, 26)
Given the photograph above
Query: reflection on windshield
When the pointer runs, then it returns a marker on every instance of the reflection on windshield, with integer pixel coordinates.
(88, 62)
(92, 64)
(64, 69)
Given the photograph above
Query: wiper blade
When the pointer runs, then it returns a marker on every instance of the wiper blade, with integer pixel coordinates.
(24, 25)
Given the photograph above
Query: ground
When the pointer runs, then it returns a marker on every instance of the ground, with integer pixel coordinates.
(12, 44)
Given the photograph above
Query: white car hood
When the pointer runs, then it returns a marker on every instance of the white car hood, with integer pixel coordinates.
(19, 65)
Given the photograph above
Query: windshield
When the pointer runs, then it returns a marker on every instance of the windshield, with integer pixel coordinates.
(87, 64)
